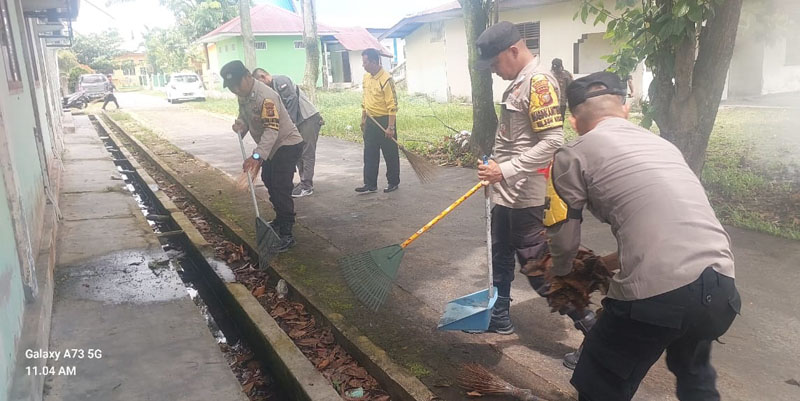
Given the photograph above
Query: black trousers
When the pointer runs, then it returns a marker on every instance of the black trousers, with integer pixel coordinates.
(515, 233)
(630, 337)
(278, 174)
(110, 98)
(375, 142)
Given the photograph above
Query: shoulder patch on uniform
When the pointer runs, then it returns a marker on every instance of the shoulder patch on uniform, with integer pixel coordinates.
(544, 110)
(269, 115)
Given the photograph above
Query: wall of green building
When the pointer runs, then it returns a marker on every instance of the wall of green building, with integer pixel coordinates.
(17, 109)
(17, 122)
(280, 58)
(11, 294)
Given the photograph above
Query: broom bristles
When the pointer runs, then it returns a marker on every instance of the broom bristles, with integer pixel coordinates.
(423, 168)
(477, 378)
(474, 377)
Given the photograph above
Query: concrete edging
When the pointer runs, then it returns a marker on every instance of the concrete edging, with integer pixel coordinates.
(395, 379)
(294, 371)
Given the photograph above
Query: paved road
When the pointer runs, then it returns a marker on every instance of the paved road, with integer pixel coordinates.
(760, 352)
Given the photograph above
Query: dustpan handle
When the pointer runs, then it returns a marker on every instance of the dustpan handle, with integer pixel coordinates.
(249, 178)
(488, 211)
(442, 214)
(489, 239)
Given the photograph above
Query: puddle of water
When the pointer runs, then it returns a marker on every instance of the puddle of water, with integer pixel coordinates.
(178, 262)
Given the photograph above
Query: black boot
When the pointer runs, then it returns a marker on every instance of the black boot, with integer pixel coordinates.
(501, 319)
(583, 322)
(284, 229)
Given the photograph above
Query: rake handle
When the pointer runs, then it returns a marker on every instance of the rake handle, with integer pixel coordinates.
(441, 215)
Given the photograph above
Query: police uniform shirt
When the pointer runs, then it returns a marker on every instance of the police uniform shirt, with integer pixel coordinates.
(529, 132)
(267, 120)
(297, 104)
(639, 183)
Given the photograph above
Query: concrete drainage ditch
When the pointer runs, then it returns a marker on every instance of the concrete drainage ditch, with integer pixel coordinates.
(248, 306)
(193, 269)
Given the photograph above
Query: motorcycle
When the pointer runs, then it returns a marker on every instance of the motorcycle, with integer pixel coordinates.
(77, 100)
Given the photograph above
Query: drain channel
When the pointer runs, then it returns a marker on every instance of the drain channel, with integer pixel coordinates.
(190, 265)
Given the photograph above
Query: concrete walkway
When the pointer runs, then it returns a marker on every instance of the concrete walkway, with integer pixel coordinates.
(123, 315)
(760, 351)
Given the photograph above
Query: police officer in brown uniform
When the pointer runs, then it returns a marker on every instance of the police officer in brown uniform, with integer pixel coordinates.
(529, 132)
(675, 288)
(279, 144)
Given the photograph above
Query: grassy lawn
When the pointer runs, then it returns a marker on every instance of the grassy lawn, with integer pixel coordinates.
(745, 174)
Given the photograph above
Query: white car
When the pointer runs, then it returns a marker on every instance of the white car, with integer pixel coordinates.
(185, 86)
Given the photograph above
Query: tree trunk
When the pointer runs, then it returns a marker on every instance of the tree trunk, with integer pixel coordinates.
(312, 49)
(324, 67)
(685, 110)
(484, 118)
(248, 40)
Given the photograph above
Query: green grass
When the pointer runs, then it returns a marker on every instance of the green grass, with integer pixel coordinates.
(745, 179)
(342, 113)
(744, 173)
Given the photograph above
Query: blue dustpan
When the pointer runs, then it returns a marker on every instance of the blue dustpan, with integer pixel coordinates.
(474, 311)
(470, 312)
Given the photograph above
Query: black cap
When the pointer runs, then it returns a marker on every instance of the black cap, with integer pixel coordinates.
(494, 40)
(232, 73)
(578, 90)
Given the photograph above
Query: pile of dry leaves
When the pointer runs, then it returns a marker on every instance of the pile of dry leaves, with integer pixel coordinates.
(589, 273)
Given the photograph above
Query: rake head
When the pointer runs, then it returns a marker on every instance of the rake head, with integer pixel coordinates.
(268, 242)
(370, 274)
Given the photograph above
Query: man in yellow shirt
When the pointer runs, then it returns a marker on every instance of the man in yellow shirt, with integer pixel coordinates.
(380, 103)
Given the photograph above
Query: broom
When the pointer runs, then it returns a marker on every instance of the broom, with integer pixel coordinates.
(474, 377)
(424, 170)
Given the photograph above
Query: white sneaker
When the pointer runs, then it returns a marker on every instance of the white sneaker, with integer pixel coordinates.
(299, 192)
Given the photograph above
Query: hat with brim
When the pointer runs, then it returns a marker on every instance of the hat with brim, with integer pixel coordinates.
(232, 73)
(495, 40)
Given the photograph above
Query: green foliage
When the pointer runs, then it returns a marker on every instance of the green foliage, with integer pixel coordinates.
(98, 50)
(649, 30)
(166, 50)
(67, 61)
(195, 18)
(75, 73)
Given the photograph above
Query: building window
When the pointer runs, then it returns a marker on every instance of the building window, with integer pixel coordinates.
(437, 31)
(530, 34)
(298, 44)
(261, 45)
(142, 71)
(10, 61)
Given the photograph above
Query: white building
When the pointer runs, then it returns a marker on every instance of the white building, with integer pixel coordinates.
(436, 45)
(764, 67)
